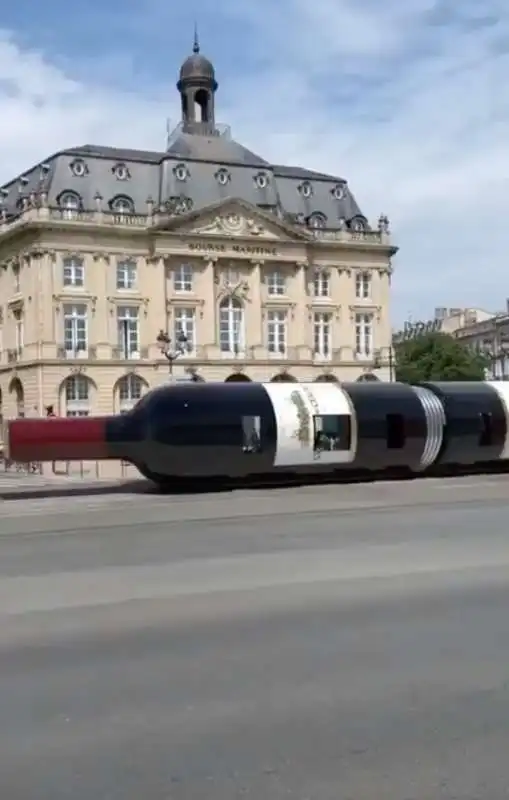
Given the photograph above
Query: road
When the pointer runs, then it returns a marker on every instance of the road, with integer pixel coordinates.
(320, 643)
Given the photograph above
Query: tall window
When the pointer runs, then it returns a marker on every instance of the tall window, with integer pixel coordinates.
(231, 326)
(185, 323)
(70, 205)
(322, 335)
(75, 329)
(277, 333)
(364, 335)
(126, 274)
(321, 284)
(19, 329)
(183, 278)
(276, 283)
(74, 271)
(17, 280)
(77, 396)
(128, 331)
(363, 285)
(130, 390)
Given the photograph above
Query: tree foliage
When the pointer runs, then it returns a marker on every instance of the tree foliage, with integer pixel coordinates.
(437, 357)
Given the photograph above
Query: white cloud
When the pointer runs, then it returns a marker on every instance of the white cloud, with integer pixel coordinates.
(410, 102)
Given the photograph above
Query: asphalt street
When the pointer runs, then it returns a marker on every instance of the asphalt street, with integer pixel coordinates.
(333, 643)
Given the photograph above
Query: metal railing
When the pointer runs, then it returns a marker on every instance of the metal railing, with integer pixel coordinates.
(30, 468)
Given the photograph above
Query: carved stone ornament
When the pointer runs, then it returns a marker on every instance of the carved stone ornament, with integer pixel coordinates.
(101, 256)
(231, 223)
(240, 289)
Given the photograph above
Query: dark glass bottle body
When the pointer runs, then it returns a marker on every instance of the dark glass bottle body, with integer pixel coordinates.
(196, 430)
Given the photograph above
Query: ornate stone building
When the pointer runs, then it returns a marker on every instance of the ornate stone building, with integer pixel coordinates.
(119, 267)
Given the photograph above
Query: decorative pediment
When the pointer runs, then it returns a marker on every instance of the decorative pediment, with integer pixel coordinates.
(233, 218)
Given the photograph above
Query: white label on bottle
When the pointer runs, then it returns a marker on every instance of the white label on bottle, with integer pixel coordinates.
(315, 424)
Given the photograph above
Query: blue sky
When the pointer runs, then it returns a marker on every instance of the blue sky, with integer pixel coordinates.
(408, 101)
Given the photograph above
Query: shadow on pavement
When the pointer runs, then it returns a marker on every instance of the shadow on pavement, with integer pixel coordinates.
(134, 487)
(126, 487)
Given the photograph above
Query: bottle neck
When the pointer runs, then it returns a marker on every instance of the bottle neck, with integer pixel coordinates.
(57, 439)
(124, 434)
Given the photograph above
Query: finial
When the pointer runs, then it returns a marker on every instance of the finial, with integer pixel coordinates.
(196, 44)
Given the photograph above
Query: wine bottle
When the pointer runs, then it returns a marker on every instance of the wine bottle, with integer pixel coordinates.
(194, 429)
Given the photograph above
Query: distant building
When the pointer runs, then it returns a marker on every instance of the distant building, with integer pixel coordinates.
(490, 336)
(483, 331)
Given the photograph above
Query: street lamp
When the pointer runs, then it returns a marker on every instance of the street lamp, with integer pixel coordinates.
(378, 361)
(171, 354)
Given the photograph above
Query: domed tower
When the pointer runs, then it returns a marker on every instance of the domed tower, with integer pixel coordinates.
(197, 86)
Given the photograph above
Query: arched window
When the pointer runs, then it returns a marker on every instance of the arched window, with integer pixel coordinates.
(130, 389)
(237, 377)
(232, 339)
(69, 204)
(77, 396)
(122, 205)
(283, 377)
(16, 388)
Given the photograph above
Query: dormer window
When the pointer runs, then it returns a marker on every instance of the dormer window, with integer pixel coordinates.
(121, 172)
(122, 205)
(69, 204)
(179, 204)
(181, 172)
(339, 191)
(317, 220)
(358, 224)
(222, 176)
(78, 168)
(306, 189)
(261, 180)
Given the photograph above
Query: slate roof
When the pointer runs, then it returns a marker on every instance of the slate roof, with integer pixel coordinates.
(202, 165)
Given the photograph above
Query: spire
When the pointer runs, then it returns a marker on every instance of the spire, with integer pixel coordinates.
(196, 43)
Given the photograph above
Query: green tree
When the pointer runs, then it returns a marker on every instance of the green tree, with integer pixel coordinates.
(437, 357)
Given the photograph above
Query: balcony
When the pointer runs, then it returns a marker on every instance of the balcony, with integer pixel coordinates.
(41, 215)
(366, 237)
(98, 217)
(70, 354)
(121, 354)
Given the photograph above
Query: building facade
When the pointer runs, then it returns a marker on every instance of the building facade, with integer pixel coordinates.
(483, 331)
(489, 335)
(120, 270)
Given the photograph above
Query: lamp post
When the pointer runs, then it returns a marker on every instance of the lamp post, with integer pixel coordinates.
(379, 361)
(172, 353)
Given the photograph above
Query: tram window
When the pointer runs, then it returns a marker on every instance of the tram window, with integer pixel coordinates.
(395, 431)
(332, 432)
(251, 435)
(486, 432)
